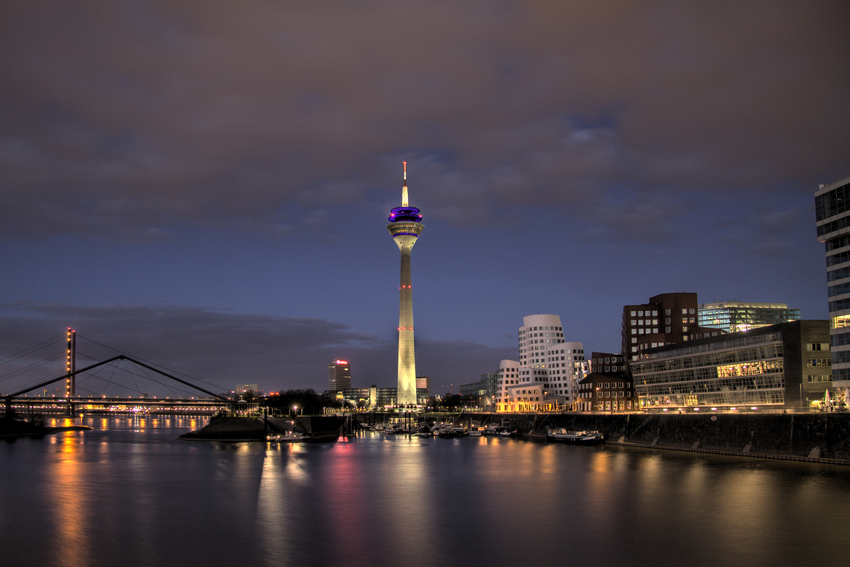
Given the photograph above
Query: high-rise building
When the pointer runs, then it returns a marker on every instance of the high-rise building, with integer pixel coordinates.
(405, 227)
(667, 318)
(737, 316)
(339, 375)
(832, 211)
(546, 376)
(423, 383)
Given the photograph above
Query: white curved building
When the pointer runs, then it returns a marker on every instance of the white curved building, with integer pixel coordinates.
(548, 370)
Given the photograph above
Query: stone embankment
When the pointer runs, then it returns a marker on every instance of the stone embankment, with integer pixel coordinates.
(814, 437)
(817, 437)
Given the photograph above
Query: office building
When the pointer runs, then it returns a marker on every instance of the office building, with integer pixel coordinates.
(776, 367)
(667, 319)
(611, 392)
(482, 391)
(608, 387)
(423, 383)
(607, 363)
(737, 316)
(405, 227)
(832, 212)
(339, 375)
(545, 377)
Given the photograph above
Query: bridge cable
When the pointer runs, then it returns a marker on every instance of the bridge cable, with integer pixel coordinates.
(29, 350)
(183, 374)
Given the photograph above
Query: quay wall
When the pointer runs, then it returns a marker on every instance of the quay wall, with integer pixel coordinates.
(804, 435)
(810, 435)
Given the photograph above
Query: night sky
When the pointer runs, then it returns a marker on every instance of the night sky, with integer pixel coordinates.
(205, 185)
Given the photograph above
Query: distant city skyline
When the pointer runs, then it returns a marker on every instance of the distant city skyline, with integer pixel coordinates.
(201, 191)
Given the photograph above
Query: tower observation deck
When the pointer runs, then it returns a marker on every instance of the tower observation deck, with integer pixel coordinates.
(405, 226)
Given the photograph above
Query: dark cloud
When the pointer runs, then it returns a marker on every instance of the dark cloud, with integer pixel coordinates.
(221, 349)
(569, 157)
(129, 118)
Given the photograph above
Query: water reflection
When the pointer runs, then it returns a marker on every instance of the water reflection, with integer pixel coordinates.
(67, 489)
(127, 494)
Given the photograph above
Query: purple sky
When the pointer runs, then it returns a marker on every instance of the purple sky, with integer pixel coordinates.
(205, 186)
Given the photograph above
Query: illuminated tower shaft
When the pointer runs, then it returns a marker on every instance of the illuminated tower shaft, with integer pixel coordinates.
(71, 363)
(405, 226)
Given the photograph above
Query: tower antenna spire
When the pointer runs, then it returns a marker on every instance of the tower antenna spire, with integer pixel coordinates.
(404, 188)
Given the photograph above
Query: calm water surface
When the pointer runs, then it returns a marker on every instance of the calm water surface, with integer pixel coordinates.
(129, 493)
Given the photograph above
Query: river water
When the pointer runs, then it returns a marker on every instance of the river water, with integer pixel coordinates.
(129, 493)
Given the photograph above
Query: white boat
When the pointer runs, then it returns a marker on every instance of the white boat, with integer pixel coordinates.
(475, 432)
(288, 437)
(583, 437)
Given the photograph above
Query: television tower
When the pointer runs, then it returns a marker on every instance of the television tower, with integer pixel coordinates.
(405, 226)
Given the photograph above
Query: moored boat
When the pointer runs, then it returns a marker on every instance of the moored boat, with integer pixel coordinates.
(288, 437)
(583, 437)
(505, 432)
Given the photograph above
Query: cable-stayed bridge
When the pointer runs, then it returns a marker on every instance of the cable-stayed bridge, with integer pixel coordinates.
(117, 377)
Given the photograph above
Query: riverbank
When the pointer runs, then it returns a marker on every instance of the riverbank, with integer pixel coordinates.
(255, 429)
(821, 437)
(15, 428)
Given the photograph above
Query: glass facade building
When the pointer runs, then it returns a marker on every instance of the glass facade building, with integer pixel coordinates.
(737, 316)
(832, 212)
(780, 366)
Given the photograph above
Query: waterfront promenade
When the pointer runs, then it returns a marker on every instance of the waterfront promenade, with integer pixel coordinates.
(813, 437)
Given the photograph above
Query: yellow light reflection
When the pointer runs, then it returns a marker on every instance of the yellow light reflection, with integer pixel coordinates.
(69, 494)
